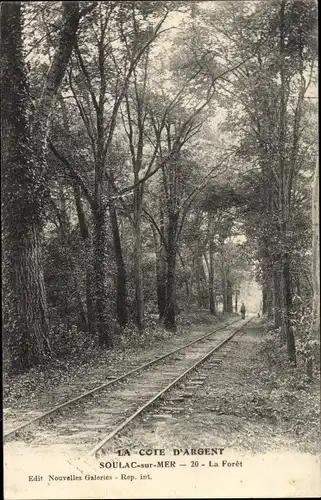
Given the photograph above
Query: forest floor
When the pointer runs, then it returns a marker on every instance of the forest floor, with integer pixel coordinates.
(256, 405)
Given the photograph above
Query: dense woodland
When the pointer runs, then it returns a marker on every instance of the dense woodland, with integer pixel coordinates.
(154, 155)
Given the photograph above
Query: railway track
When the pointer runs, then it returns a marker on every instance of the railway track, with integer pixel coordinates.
(109, 408)
(112, 380)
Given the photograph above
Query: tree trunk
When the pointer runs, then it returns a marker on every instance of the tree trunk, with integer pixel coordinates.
(121, 278)
(138, 271)
(277, 316)
(67, 37)
(87, 252)
(269, 296)
(201, 285)
(284, 202)
(170, 310)
(71, 277)
(102, 321)
(25, 309)
(316, 257)
(265, 292)
(198, 281)
(211, 265)
(224, 293)
(161, 282)
(229, 297)
(287, 306)
(315, 271)
(171, 251)
(211, 286)
(160, 268)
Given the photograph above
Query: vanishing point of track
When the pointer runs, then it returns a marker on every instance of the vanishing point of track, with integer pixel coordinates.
(168, 377)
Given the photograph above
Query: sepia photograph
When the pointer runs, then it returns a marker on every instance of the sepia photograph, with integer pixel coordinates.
(160, 249)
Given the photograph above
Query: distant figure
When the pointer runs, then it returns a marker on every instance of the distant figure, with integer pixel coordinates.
(243, 310)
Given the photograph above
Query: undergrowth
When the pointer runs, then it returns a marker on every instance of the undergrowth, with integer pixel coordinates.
(75, 351)
(293, 399)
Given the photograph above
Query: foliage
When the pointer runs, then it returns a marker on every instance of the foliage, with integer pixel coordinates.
(168, 176)
(292, 398)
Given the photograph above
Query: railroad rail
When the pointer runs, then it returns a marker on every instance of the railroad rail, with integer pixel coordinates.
(69, 402)
(156, 394)
(99, 446)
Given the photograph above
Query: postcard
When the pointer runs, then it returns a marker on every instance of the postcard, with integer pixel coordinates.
(160, 231)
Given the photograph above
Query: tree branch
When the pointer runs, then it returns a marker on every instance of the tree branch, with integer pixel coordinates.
(72, 171)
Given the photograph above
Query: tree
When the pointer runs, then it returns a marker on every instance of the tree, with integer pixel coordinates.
(98, 90)
(279, 71)
(135, 124)
(24, 144)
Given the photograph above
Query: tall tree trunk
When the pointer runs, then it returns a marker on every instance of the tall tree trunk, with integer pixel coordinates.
(265, 292)
(229, 297)
(161, 281)
(269, 297)
(284, 208)
(40, 120)
(277, 315)
(287, 306)
(201, 284)
(102, 319)
(87, 251)
(224, 293)
(170, 310)
(211, 284)
(171, 251)
(25, 308)
(72, 281)
(315, 269)
(211, 264)
(67, 37)
(198, 279)
(121, 277)
(316, 257)
(160, 267)
(138, 271)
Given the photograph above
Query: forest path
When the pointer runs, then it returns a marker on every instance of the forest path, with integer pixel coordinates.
(80, 426)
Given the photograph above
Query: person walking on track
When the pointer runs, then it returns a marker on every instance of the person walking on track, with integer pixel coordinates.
(243, 310)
